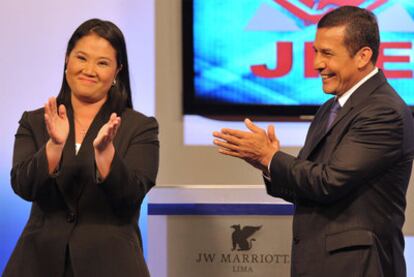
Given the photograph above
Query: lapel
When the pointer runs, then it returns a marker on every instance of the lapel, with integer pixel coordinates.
(316, 130)
(86, 150)
(78, 170)
(359, 96)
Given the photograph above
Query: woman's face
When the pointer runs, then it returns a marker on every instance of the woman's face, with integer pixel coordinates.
(91, 68)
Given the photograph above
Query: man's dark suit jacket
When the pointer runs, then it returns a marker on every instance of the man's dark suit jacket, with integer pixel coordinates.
(97, 221)
(348, 185)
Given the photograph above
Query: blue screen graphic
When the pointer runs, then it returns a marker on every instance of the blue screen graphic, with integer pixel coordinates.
(252, 52)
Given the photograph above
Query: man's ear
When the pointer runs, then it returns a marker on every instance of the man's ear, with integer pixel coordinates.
(364, 56)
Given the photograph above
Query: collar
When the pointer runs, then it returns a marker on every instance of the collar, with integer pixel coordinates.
(344, 97)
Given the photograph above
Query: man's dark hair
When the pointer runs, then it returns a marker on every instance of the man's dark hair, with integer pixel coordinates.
(361, 28)
(119, 96)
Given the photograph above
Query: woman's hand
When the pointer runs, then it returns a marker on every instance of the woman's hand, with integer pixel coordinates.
(57, 123)
(107, 133)
(104, 148)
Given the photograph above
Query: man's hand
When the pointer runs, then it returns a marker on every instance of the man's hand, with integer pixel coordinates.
(256, 147)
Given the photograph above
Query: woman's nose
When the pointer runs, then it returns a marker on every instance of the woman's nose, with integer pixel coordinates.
(89, 69)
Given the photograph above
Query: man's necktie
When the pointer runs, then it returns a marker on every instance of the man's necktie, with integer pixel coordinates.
(333, 113)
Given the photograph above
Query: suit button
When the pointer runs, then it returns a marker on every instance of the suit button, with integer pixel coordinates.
(70, 217)
(296, 239)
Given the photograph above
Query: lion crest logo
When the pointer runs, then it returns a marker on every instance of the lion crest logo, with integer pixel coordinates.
(241, 237)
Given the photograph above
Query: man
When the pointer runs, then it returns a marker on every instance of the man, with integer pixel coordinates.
(349, 181)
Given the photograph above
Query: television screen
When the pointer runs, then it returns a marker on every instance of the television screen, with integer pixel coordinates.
(255, 57)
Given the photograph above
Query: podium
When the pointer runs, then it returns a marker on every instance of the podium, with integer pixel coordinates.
(221, 231)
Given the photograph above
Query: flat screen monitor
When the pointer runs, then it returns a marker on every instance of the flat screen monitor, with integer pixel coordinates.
(255, 57)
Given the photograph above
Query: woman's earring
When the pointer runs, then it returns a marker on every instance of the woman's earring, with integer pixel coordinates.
(66, 71)
(114, 83)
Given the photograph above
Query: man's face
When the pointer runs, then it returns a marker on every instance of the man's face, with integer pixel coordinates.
(339, 71)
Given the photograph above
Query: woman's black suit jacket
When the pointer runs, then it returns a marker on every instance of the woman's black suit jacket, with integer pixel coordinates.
(96, 221)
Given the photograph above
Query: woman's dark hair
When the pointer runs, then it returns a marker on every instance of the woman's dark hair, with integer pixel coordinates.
(119, 95)
(361, 28)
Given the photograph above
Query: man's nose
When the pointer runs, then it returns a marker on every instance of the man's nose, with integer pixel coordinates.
(318, 63)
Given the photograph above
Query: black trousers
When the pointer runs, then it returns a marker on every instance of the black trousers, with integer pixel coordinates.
(68, 271)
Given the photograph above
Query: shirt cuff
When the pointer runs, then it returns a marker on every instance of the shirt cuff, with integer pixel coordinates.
(265, 175)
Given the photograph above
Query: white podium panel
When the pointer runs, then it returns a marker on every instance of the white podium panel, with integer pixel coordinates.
(218, 231)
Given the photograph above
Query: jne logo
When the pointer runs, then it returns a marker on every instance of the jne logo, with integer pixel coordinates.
(288, 17)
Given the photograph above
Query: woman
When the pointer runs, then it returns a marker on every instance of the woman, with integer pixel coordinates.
(84, 171)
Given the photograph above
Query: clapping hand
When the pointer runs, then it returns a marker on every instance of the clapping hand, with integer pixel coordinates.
(57, 123)
(57, 126)
(107, 133)
(104, 148)
(255, 147)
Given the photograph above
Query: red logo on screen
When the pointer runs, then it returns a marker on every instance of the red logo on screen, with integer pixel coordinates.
(319, 8)
(284, 49)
